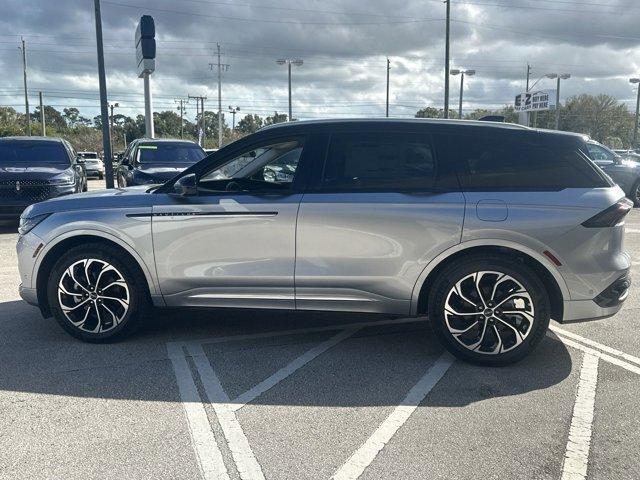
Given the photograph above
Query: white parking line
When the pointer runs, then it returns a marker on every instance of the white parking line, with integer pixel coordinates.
(287, 370)
(631, 230)
(204, 443)
(603, 356)
(246, 463)
(576, 457)
(362, 458)
(599, 346)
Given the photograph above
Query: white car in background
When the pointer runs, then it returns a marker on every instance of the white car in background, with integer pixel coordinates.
(93, 164)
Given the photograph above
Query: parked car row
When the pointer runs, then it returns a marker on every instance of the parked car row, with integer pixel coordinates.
(33, 169)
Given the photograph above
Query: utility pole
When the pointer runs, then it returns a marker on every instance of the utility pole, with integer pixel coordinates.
(44, 130)
(199, 102)
(26, 96)
(181, 108)
(220, 66)
(388, 68)
(636, 81)
(104, 106)
(233, 115)
(111, 107)
(446, 60)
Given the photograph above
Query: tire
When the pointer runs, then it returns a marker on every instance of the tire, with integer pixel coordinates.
(501, 279)
(88, 310)
(634, 195)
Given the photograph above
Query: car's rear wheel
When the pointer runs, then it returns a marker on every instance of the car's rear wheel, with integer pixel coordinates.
(95, 296)
(489, 309)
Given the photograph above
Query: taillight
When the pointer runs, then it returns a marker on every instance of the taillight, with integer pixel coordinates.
(610, 217)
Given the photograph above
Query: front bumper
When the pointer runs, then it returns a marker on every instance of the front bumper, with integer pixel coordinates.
(29, 295)
(606, 304)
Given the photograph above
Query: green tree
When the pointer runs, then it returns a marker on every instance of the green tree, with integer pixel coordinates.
(52, 118)
(11, 122)
(275, 118)
(250, 123)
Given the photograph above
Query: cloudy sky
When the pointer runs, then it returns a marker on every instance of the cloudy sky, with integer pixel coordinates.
(344, 44)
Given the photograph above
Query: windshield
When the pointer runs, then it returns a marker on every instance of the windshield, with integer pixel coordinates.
(33, 153)
(170, 153)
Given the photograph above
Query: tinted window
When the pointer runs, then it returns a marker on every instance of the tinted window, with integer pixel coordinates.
(494, 162)
(361, 161)
(33, 153)
(88, 155)
(170, 153)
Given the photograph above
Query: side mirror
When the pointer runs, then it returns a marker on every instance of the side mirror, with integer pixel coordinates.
(79, 159)
(186, 186)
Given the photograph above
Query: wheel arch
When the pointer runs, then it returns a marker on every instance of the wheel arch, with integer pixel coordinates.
(53, 251)
(551, 278)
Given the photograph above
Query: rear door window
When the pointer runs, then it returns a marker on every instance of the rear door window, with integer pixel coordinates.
(379, 161)
(513, 163)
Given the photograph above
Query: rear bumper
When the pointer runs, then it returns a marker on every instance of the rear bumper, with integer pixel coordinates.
(605, 304)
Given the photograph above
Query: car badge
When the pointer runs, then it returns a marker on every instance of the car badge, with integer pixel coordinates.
(18, 186)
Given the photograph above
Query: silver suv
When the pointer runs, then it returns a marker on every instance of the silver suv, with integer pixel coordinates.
(489, 229)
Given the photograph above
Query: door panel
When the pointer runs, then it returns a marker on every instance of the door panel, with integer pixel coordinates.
(364, 251)
(234, 249)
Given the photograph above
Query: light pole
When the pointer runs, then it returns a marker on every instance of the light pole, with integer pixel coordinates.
(111, 107)
(456, 71)
(558, 76)
(635, 125)
(290, 61)
(233, 116)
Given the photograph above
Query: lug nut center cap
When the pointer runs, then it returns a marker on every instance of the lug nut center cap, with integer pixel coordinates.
(488, 312)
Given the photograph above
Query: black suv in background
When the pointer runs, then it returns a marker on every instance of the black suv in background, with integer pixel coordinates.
(33, 169)
(150, 161)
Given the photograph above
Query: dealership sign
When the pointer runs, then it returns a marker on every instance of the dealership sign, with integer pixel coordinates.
(146, 45)
(536, 101)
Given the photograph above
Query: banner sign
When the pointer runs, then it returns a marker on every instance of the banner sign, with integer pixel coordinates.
(535, 101)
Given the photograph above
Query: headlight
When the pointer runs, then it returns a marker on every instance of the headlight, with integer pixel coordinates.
(28, 224)
(64, 178)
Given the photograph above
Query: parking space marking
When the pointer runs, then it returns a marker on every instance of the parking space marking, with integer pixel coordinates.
(246, 462)
(599, 346)
(596, 345)
(599, 354)
(631, 230)
(287, 370)
(576, 457)
(208, 454)
(366, 454)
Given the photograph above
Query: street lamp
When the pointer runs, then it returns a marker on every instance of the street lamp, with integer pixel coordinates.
(635, 125)
(558, 76)
(233, 115)
(289, 61)
(456, 71)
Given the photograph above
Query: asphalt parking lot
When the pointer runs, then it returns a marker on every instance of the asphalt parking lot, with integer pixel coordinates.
(251, 395)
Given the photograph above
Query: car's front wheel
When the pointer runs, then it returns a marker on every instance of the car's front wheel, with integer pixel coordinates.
(489, 309)
(95, 295)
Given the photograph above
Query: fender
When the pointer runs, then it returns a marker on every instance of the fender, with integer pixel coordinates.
(151, 280)
(485, 242)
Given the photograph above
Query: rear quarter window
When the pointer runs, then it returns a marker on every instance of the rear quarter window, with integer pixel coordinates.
(495, 162)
